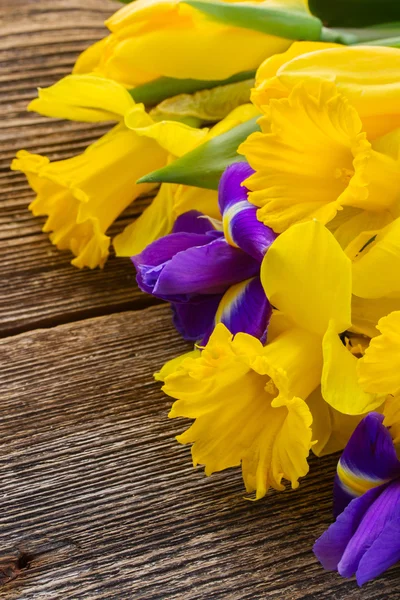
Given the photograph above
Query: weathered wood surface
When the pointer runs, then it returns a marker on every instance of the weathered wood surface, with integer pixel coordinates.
(97, 500)
(39, 41)
(101, 501)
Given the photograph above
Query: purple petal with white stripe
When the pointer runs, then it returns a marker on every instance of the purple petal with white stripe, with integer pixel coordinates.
(365, 538)
(239, 216)
(230, 188)
(243, 229)
(208, 269)
(368, 460)
(194, 319)
(244, 307)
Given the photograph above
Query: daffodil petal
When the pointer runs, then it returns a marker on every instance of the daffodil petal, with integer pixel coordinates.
(355, 231)
(339, 382)
(307, 276)
(379, 369)
(176, 138)
(90, 58)
(331, 428)
(175, 40)
(375, 266)
(268, 85)
(192, 198)
(391, 411)
(83, 98)
(239, 115)
(365, 313)
(367, 75)
(172, 365)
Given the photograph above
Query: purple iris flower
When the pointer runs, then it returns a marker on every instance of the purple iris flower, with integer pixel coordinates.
(365, 539)
(211, 274)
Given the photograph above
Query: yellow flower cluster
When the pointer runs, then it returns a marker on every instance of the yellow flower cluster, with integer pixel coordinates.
(83, 195)
(149, 39)
(327, 179)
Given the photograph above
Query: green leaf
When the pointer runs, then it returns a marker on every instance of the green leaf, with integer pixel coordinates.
(156, 91)
(203, 166)
(287, 22)
(365, 35)
(206, 106)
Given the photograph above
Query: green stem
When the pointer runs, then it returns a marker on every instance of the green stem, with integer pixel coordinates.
(368, 35)
(393, 42)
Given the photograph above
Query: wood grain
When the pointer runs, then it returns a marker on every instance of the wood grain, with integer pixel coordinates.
(39, 43)
(99, 496)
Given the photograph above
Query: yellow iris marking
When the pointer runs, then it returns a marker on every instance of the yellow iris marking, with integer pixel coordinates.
(358, 485)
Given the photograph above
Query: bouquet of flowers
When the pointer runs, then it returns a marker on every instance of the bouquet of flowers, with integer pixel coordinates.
(270, 144)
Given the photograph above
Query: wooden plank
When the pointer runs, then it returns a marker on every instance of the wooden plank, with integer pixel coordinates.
(39, 44)
(99, 501)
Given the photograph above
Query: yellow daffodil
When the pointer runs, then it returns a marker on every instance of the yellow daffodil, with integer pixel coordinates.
(368, 76)
(83, 195)
(247, 406)
(268, 84)
(154, 38)
(312, 159)
(329, 145)
(144, 143)
(392, 416)
(300, 389)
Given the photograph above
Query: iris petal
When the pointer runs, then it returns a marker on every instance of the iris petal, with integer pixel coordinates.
(150, 262)
(384, 552)
(208, 269)
(378, 518)
(369, 460)
(244, 307)
(192, 221)
(195, 319)
(241, 226)
(230, 187)
(329, 548)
